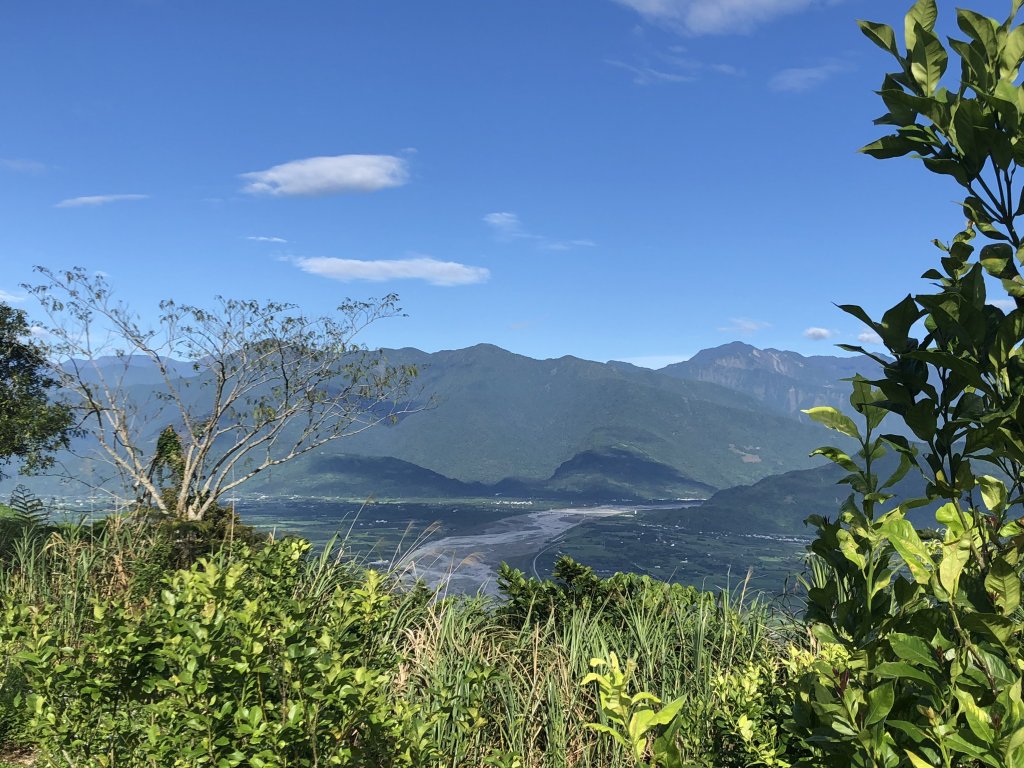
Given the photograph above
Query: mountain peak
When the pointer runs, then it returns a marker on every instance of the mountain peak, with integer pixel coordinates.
(788, 381)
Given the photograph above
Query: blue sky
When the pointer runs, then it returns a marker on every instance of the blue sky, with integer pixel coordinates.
(612, 179)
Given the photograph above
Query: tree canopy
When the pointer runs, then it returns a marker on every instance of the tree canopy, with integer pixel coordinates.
(31, 425)
(240, 386)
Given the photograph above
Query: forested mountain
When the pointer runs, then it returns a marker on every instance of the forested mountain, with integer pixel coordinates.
(498, 415)
(490, 421)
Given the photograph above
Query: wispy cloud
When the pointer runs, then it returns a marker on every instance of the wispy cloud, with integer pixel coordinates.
(507, 227)
(797, 79)
(265, 239)
(869, 337)
(20, 165)
(814, 333)
(315, 176)
(646, 75)
(10, 298)
(714, 17)
(39, 333)
(417, 268)
(505, 224)
(744, 326)
(94, 200)
(652, 64)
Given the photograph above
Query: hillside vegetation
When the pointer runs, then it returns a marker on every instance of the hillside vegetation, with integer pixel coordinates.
(496, 422)
(265, 654)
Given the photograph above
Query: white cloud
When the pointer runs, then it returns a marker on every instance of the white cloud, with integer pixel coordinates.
(265, 239)
(93, 200)
(10, 298)
(1007, 305)
(507, 227)
(654, 361)
(315, 176)
(797, 79)
(20, 165)
(744, 326)
(417, 268)
(714, 17)
(818, 334)
(869, 337)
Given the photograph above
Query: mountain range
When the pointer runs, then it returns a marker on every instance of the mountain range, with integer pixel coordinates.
(494, 422)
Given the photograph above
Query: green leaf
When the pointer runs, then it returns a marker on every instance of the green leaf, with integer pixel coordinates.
(954, 557)
(900, 670)
(880, 701)
(836, 457)
(949, 516)
(916, 761)
(895, 145)
(949, 167)
(993, 493)
(913, 649)
(668, 713)
(980, 28)
(848, 546)
(1003, 582)
(1012, 744)
(1000, 628)
(881, 35)
(833, 419)
(609, 732)
(1012, 54)
(908, 544)
(908, 728)
(922, 14)
(978, 720)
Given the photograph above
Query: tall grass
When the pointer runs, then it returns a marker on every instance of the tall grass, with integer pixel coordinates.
(493, 686)
(70, 565)
(514, 689)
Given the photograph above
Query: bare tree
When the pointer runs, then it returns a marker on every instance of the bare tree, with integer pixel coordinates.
(239, 388)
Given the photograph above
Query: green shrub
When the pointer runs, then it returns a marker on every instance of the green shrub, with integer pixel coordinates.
(13, 715)
(233, 664)
(925, 628)
(574, 587)
(737, 723)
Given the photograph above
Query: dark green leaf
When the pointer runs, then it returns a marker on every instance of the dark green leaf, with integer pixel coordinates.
(881, 35)
(913, 649)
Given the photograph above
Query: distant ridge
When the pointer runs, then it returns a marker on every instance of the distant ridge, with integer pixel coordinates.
(786, 381)
(499, 422)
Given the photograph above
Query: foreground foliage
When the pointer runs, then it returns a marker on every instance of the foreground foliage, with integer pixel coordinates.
(269, 655)
(31, 427)
(260, 384)
(921, 632)
(930, 624)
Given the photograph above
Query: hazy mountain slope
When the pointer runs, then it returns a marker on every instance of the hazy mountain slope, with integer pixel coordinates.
(500, 415)
(779, 504)
(565, 426)
(786, 381)
(597, 475)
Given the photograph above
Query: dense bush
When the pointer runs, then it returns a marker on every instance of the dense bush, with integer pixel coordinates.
(273, 656)
(233, 664)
